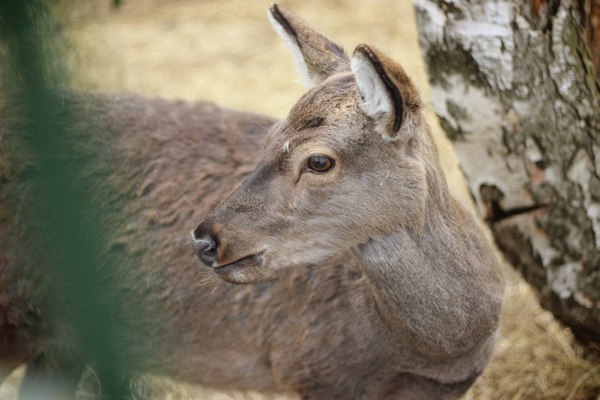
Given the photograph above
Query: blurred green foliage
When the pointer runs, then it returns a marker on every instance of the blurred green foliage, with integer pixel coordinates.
(32, 69)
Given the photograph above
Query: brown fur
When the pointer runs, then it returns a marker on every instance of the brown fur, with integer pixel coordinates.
(371, 281)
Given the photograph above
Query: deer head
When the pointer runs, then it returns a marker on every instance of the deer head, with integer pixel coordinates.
(348, 164)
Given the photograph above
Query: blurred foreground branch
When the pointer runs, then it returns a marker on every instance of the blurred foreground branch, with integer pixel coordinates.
(61, 236)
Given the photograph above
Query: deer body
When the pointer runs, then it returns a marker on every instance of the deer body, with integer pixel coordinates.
(365, 279)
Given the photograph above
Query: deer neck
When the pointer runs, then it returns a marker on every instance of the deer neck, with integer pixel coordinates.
(426, 281)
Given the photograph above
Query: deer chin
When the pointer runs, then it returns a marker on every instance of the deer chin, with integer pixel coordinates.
(249, 269)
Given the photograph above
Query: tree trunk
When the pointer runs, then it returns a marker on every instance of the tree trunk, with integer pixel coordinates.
(515, 86)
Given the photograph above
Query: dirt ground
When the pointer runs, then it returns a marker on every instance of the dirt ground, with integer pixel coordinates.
(227, 52)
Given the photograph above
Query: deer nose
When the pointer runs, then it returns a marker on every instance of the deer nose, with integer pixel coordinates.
(206, 246)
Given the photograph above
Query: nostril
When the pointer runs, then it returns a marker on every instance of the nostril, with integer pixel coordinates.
(207, 247)
(199, 232)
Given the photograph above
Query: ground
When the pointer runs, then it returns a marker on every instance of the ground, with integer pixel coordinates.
(226, 51)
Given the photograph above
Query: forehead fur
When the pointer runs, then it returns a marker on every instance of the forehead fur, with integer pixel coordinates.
(326, 113)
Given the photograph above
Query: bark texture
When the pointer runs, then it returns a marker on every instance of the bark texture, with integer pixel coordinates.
(515, 85)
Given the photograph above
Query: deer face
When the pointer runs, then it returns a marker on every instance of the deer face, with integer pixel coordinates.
(342, 168)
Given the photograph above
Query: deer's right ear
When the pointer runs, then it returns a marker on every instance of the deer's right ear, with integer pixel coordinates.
(316, 57)
(387, 94)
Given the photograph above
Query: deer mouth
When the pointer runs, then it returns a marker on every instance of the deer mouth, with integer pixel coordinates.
(254, 260)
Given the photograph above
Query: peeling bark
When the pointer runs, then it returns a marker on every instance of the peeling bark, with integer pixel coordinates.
(590, 19)
(515, 84)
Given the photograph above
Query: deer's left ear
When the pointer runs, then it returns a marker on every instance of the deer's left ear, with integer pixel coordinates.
(387, 94)
(316, 57)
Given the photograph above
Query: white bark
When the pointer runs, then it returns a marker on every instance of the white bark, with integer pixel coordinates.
(516, 90)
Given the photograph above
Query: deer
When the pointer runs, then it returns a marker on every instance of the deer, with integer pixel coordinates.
(329, 259)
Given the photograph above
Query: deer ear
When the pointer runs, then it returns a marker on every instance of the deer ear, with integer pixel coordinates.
(387, 94)
(316, 57)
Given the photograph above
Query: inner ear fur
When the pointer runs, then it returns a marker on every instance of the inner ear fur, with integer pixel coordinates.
(316, 57)
(387, 94)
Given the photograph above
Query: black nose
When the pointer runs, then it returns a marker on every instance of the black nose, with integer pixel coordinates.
(206, 246)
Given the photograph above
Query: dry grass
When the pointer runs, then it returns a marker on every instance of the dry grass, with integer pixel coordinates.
(226, 51)
(536, 357)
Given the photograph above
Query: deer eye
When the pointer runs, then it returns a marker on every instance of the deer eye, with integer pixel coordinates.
(320, 163)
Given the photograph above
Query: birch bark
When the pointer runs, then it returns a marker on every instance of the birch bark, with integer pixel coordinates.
(515, 85)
